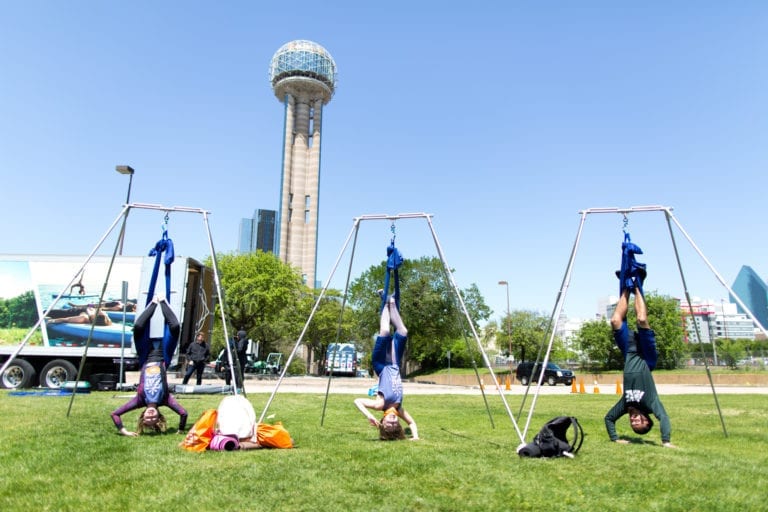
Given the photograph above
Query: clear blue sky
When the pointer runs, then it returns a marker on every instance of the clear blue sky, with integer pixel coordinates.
(502, 119)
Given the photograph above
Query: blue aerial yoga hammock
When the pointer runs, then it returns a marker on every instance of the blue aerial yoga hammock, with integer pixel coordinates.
(143, 343)
(632, 273)
(394, 260)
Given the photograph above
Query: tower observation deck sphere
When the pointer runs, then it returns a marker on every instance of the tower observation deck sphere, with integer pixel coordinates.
(303, 66)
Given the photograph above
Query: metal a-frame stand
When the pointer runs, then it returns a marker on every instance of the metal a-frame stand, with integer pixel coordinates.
(124, 216)
(567, 278)
(449, 276)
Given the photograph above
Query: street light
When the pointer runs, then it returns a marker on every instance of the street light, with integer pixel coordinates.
(509, 320)
(725, 330)
(125, 169)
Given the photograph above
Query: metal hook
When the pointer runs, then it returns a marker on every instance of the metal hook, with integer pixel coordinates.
(626, 223)
(392, 228)
(165, 223)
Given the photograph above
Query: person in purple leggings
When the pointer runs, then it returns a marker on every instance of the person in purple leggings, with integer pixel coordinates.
(152, 391)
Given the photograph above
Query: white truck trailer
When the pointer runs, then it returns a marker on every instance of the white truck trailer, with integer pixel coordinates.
(30, 282)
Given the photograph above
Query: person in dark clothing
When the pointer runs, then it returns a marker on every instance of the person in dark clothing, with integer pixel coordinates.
(198, 354)
(387, 357)
(640, 398)
(239, 345)
(242, 351)
(152, 391)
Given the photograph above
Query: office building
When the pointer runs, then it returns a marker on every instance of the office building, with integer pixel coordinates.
(753, 292)
(258, 232)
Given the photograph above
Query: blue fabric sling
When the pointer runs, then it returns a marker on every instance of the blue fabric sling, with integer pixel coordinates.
(144, 344)
(632, 273)
(394, 261)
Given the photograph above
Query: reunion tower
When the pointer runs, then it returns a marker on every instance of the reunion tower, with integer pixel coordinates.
(303, 77)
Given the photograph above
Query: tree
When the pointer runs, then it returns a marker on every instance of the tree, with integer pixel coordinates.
(492, 334)
(429, 308)
(262, 295)
(19, 311)
(664, 316)
(667, 322)
(598, 350)
(528, 333)
(327, 326)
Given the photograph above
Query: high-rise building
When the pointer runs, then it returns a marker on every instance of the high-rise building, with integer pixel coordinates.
(258, 232)
(706, 321)
(753, 292)
(303, 78)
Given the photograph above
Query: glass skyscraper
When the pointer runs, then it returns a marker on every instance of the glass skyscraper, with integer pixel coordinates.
(258, 232)
(753, 292)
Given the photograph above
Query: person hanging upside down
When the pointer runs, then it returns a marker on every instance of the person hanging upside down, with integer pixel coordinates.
(387, 357)
(640, 398)
(152, 391)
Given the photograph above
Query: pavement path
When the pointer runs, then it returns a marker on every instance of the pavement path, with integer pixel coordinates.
(361, 385)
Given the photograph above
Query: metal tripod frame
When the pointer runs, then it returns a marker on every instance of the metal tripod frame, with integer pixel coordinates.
(124, 216)
(569, 271)
(449, 276)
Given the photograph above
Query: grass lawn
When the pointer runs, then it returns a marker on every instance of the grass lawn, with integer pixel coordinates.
(54, 462)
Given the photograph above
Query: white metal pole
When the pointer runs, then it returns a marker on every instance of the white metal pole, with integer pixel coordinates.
(306, 325)
(555, 314)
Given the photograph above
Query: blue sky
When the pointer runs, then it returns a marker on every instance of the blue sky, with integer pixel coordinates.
(503, 120)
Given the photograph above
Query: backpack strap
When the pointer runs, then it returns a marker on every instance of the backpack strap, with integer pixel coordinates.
(578, 435)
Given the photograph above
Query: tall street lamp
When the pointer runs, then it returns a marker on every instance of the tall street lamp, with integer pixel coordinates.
(725, 330)
(125, 169)
(509, 320)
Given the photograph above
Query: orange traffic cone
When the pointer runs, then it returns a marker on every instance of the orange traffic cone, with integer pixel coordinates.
(596, 390)
(581, 386)
(618, 387)
(573, 386)
(498, 379)
(507, 384)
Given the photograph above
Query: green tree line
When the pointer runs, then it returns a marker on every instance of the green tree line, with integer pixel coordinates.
(266, 298)
(19, 311)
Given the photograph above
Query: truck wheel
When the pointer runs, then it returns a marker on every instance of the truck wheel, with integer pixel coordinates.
(551, 381)
(56, 373)
(19, 374)
(524, 380)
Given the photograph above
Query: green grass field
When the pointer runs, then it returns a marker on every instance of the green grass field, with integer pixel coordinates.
(54, 462)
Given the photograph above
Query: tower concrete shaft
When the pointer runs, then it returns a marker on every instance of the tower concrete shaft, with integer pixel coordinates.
(299, 200)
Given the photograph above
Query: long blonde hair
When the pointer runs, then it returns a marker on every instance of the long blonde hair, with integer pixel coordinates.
(159, 428)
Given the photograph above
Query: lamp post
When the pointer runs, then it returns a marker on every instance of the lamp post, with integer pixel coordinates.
(725, 331)
(509, 327)
(125, 169)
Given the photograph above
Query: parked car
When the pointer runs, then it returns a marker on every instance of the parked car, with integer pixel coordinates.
(553, 374)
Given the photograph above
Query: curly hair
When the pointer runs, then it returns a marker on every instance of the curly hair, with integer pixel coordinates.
(159, 428)
(393, 432)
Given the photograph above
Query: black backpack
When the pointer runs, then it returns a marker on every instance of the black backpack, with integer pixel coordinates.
(552, 439)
